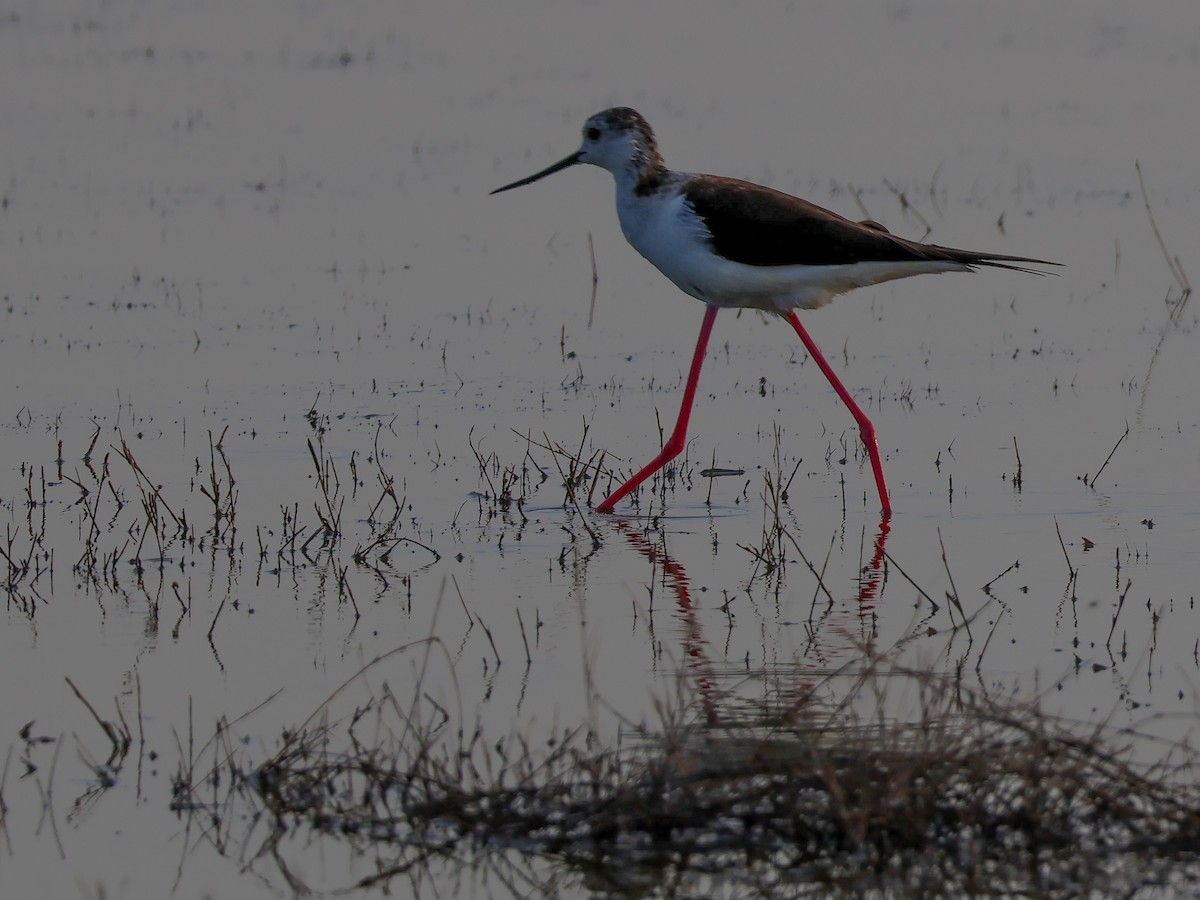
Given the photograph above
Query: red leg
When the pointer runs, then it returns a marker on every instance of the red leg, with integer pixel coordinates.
(675, 443)
(865, 428)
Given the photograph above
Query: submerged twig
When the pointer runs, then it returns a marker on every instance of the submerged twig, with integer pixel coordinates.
(1061, 543)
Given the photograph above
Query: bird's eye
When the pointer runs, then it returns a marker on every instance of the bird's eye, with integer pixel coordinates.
(592, 134)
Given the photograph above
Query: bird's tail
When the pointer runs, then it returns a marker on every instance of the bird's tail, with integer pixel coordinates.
(973, 258)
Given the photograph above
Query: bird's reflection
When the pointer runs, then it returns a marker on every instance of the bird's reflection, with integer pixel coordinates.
(675, 579)
(874, 574)
(871, 582)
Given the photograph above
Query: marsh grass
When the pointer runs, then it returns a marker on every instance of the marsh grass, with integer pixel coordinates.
(908, 782)
(130, 529)
(783, 794)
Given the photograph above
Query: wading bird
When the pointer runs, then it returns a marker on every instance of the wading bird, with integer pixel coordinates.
(734, 244)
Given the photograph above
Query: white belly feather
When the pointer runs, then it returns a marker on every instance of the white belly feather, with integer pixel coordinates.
(665, 231)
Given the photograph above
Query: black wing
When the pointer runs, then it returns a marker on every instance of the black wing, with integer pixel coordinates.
(758, 226)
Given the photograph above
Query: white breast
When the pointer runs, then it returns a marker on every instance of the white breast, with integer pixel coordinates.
(662, 228)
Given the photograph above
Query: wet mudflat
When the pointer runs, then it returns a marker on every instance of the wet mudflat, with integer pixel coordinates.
(301, 430)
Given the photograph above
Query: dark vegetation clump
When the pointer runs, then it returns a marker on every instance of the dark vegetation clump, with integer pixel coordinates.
(787, 796)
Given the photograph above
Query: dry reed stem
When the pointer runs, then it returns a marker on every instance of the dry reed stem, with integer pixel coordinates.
(1173, 263)
(1104, 465)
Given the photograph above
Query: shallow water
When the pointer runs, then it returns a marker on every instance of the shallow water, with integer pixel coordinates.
(274, 226)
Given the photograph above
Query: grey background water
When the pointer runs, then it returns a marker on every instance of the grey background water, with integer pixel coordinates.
(228, 215)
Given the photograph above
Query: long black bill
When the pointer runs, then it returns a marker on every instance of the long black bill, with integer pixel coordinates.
(557, 167)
